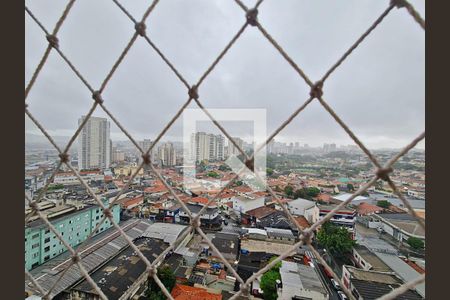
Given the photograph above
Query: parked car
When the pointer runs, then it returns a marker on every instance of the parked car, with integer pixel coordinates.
(335, 284)
(342, 296)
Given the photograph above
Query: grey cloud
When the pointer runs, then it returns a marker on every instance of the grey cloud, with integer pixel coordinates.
(379, 91)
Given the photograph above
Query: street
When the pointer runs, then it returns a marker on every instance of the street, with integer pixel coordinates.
(323, 276)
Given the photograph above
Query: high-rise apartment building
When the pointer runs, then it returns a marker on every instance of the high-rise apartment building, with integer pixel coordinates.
(167, 155)
(94, 144)
(232, 149)
(206, 146)
(145, 145)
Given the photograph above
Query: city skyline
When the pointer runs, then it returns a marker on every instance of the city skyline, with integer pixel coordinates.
(393, 110)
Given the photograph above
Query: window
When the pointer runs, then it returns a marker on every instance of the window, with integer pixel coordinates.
(96, 217)
(47, 258)
(46, 249)
(47, 240)
(35, 255)
(70, 222)
(34, 246)
(47, 231)
(61, 225)
(35, 236)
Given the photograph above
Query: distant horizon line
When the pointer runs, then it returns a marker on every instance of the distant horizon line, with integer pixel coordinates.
(301, 144)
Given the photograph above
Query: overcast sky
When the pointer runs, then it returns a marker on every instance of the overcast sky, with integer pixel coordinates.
(379, 91)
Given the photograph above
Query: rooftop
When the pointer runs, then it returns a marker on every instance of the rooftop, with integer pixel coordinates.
(93, 253)
(370, 257)
(168, 232)
(117, 276)
(405, 222)
(260, 212)
(297, 277)
(184, 292)
(345, 196)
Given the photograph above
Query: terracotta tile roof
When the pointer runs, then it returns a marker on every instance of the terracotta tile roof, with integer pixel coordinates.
(260, 212)
(155, 189)
(365, 208)
(201, 200)
(301, 220)
(242, 189)
(414, 266)
(133, 201)
(184, 292)
(323, 197)
(260, 194)
(395, 209)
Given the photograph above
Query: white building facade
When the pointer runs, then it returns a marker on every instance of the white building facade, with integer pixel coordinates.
(94, 144)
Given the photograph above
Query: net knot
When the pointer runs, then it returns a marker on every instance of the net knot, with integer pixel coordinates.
(53, 40)
(107, 213)
(195, 222)
(306, 237)
(34, 205)
(398, 3)
(64, 157)
(146, 158)
(244, 289)
(316, 90)
(152, 271)
(76, 259)
(252, 16)
(250, 163)
(193, 92)
(140, 28)
(97, 96)
(383, 173)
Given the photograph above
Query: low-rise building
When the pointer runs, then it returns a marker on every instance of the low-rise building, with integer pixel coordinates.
(74, 222)
(243, 203)
(401, 226)
(300, 282)
(210, 218)
(367, 260)
(344, 217)
(373, 284)
(306, 208)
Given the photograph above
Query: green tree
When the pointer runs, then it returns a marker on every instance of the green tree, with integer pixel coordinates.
(383, 203)
(224, 168)
(415, 243)
(269, 281)
(335, 239)
(312, 191)
(269, 171)
(212, 174)
(289, 191)
(301, 193)
(168, 279)
(350, 187)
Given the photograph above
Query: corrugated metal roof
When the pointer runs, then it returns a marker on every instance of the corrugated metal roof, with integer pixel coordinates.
(95, 252)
